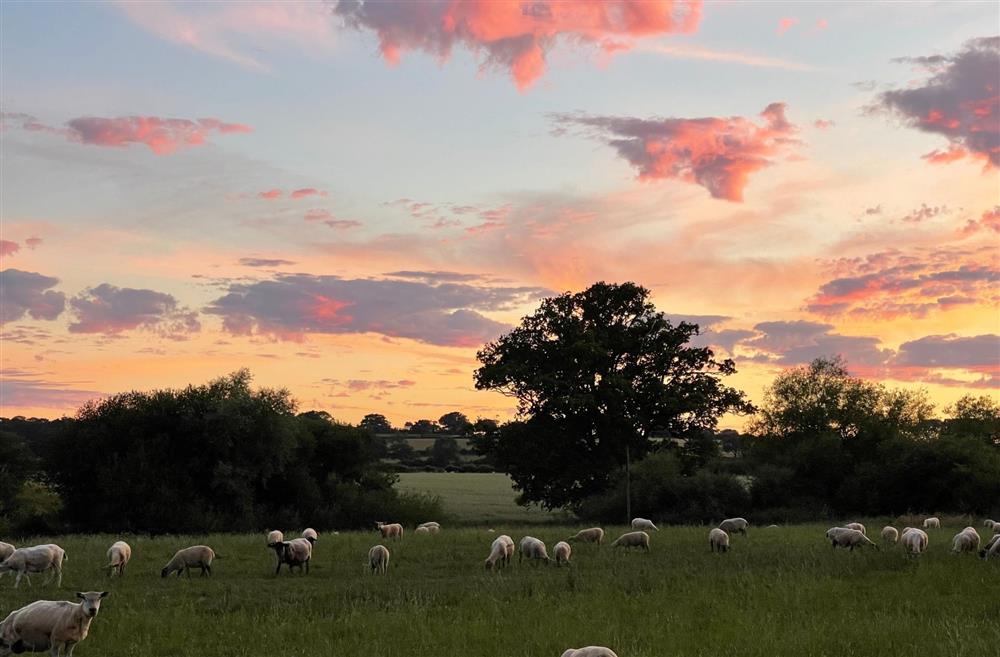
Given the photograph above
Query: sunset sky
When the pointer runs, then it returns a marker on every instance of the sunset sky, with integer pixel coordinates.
(351, 198)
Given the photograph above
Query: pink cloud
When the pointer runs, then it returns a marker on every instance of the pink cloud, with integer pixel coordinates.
(786, 24)
(822, 24)
(307, 191)
(33, 242)
(270, 194)
(990, 221)
(514, 35)
(8, 248)
(719, 154)
(111, 310)
(823, 124)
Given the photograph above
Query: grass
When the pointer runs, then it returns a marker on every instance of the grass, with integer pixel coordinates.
(779, 592)
(480, 499)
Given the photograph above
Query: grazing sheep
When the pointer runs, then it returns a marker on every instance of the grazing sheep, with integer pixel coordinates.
(431, 527)
(914, 541)
(932, 522)
(196, 556)
(988, 524)
(734, 525)
(296, 552)
(310, 534)
(6, 549)
(36, 559)
(55, 626)
(848, 538)
(119, 555)
(562, 552)
(422, 531)
(378, 559)
(890, 535)
(532, 548)
(643, 523)
(771, 527)
(592, 535)
(590, 651)
(510, 548)
(966, 540)
(394, 530)
(275, 536)
(633, 539)
(718, 540)
(992, 548)
(498, 554)
(858, 526)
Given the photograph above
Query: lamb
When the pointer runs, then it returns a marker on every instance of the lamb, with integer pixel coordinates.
(858, 526)
(296, 552)
(56, 626)
(431, 527)
(592, 535)
(932, 522)
(532, 548)
(562, 551)
(890, 535)
(310, 533)
(848, 538)
(718, 540)
(992, 548)
(498, 554)
(633, 539)
(196, 556)
(378, 559)
(119, 555)
(643, 523)
(275, 536)
(590, 651)
(966, 540)
(914, 541)
(734, 525)
(394, 530)
(36, 559)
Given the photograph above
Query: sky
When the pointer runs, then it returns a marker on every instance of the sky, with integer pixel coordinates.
(350, 198)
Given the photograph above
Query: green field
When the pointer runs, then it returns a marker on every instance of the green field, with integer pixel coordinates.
(479, 499)
(779, 592)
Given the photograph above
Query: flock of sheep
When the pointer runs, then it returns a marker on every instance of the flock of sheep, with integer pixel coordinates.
(58, 626)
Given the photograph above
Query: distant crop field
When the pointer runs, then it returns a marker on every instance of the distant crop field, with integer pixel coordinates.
(779, 592)
(424, 444)
(476, 498)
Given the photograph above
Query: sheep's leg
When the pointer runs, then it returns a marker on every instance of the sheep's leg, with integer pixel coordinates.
(307, 568)
(278, 570)
(208, 569)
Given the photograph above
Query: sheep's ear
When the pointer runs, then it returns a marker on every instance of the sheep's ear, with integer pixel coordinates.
(105, 594)
(80, 595)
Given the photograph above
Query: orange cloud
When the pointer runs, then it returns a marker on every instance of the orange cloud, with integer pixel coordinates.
(786, 24)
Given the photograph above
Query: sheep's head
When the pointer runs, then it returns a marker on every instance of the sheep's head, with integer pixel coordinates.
(91, 602)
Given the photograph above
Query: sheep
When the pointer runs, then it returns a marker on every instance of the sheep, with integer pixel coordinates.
(914, 541)
(643, 523)
(6, 549)
(53, 625)
(119, 555)
(848, 538)
(562, 552)
(378, 559)
(932, 522)
(858, 526)
(422, 531)
(590, 651)
(988, 524)
(734, 525)
(310, 533)
(890, 535)
(508, 546)
(196, 556)
(592, 535)
(36, 559)
(275, 536)
(431, 527)
(498, 554)
(296, 552)
(532, 548)
(966, 540)
(992, 548)
(718, 540)
(633, 539)
(394, 530)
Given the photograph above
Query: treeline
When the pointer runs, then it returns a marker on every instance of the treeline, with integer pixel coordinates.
(215, 457)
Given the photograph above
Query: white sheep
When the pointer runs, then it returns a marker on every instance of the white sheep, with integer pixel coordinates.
(119, 555)
(394, 530)
(914, 541)
(633, 539)
(296, 552)
(590, 651)
(718, 540)
(890, 535)
(643, 523)
(196, 556)
(6, 549)
(848, 538)
(858, 526)
(422, 531)
(56, 626)
(498, 557)
(378, 559)
(966, 540)
(932, 523)
(431, 527)
(992, 548)
(509, 545)
(532, 548)
(36, 559)
(275, 536)
(562, 552)
(310, 533)
(988, 524)
(592, 535)
(734, 526)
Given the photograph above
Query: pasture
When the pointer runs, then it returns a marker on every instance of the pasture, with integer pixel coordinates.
(477, 498)
(778, 592)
